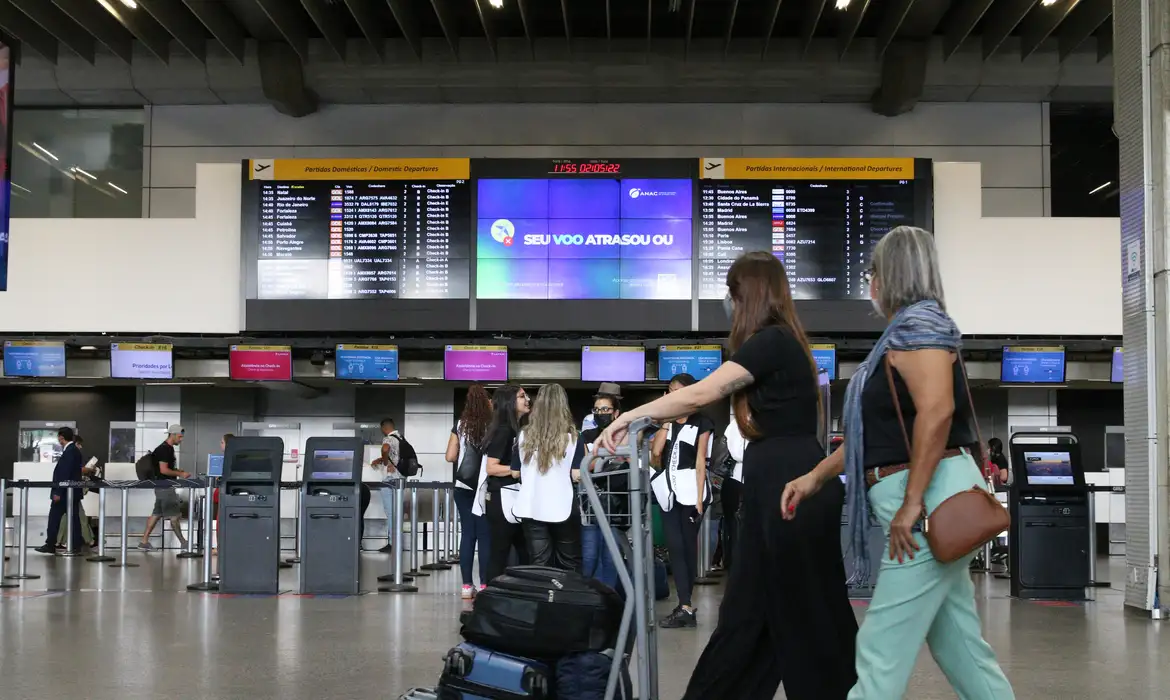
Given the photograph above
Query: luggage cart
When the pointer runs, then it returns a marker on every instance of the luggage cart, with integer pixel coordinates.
(638, 578)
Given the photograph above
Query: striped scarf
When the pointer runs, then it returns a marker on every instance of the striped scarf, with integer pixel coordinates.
(920, 326)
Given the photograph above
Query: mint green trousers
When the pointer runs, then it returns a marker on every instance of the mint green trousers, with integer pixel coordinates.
(922, 600)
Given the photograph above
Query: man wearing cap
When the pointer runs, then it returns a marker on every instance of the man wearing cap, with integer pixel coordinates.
(166, 501)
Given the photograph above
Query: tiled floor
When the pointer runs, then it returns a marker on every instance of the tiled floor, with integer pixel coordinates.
(89, 631)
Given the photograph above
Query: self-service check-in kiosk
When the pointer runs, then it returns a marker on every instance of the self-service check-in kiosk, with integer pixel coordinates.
(249, 502)
(1049, 504)
(330, 517)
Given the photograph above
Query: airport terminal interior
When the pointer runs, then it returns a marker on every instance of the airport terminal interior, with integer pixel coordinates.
(264, 262)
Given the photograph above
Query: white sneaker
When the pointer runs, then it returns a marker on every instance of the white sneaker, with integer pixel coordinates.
(468, 592)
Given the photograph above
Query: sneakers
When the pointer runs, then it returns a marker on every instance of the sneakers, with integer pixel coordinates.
(468, 592)
(389, 548)
(680, 617)
(146, 546)
(482, 586)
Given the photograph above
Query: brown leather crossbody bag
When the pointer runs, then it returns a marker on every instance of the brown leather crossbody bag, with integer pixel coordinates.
(967, 520)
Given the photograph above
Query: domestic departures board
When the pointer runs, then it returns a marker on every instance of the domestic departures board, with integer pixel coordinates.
(359, 229)
(821, 217)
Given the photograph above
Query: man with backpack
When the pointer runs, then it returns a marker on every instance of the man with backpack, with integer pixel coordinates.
(160, 464)
(400, 462)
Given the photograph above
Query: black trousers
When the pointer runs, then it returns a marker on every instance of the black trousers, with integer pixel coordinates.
(555, 544)
(504, 537)
(57, 512)
(730, 496)
(680, 526)
(365, 503)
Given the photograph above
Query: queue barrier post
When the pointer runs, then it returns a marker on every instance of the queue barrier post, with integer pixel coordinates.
(399, 584)
(437, 563)
(705, 577)
(3, 526)
(124, 533)
(101, 557)
(207, 584)
(70, 514)
(414, 570)
(452, 538)
(22, 556)
(189, 550)
(297, 535)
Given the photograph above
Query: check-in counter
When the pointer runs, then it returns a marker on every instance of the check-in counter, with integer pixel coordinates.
(1110, 507)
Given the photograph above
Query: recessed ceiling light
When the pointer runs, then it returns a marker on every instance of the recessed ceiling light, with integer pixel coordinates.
(88, 347)
(498, 4)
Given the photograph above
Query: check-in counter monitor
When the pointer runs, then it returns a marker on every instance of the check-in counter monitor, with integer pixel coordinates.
(330, 517)
(249, 501)
(1049, 503)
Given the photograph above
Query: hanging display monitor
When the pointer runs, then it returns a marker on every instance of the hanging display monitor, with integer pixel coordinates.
(141, 361)
(591, 230)
(820, 216)
(475, 363)
(260, 363)
(367, 362)
(1032, 365)
(34, 358)
(613, 363)
(825, 355)
(352, 231)
(695, 360)
(1117, 367)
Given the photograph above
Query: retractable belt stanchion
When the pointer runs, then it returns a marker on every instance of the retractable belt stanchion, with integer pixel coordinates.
(1093, 582)
(394, 523)
(101, 557)
(207, 584)
(22, 556)
(452, 538)
(3, 525)
(705, 577)
(189, 551)
(124, 533)
(437, 563)
(398, 585)
(288, 563)
(414, 570)
(297, 535)
(70, 513)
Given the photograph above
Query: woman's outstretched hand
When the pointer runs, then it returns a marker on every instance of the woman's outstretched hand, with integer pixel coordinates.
(613, 435)
(796, 492)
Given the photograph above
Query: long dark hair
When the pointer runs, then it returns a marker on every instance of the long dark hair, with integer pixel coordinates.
(759, 291)
(476, 415)
(504, 410)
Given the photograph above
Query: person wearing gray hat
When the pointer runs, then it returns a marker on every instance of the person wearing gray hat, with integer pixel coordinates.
(166, 501)
(607, 390)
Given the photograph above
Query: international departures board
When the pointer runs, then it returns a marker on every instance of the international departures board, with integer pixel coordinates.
(359, 229)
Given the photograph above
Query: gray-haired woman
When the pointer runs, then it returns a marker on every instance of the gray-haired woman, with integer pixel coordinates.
(917, 598)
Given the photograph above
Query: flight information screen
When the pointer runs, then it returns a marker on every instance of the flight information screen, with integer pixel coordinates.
(598, 229)
(359, 229)
(820, 217)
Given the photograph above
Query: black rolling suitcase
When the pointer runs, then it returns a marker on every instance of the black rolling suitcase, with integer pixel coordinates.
(541, 612)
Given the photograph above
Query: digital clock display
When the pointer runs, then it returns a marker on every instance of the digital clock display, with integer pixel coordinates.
(585, 168)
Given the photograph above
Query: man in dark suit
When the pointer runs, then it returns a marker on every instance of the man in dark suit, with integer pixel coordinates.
(68, 468)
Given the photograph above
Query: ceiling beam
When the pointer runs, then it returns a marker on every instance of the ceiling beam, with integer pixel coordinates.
(1041, 23)
(488, 32)
(808, 23)
(290, 23)
(891, 22)
(731, 12)
(94, 19)
(903, 77)
(32, 35)
(448, 25)
(325, 16)
(770, 27)
(60, 26)
(1104, 35)
(608, 22)
(1002, 19)
(526, 20)
(850, 24)
(146, 29)
(962, 23)
(1081, 25)
(367, 20)
(568, 25)
(649, 23)
(222, 25)
(180, 23)
(690, 27)
(408, 24)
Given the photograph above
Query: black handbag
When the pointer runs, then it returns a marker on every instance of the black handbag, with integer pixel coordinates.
(541, 612)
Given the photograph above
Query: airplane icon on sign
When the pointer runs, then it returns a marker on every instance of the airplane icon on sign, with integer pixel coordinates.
(712, 166)
(261, 167)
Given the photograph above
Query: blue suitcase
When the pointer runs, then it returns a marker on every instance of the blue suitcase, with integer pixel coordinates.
(474, 673)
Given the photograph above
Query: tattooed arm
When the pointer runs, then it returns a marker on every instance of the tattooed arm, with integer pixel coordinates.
(724, 381)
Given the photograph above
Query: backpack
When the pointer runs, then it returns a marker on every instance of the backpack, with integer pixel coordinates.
(467, 472)
(721, 464)
(144, 468)
(408, 464)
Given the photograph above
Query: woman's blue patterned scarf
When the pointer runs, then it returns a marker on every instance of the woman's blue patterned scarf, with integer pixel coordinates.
(920, 326)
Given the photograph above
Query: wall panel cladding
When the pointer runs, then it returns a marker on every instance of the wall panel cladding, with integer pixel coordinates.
(1010, 140)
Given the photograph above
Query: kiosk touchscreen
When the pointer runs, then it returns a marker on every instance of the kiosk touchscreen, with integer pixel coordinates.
(330, 517)
(1049, 504)
(249, 501)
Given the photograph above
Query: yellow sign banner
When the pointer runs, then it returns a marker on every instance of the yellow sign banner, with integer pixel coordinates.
(376, 348)
(34, 343)
(807, 168)
(142, 347)
(261, 348)
(1037, 348)
(689, 348)
(360, 169)
(614, 348)
(493, 348)
(822, 346)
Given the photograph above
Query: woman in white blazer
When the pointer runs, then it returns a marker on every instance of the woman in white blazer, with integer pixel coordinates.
(550, 448)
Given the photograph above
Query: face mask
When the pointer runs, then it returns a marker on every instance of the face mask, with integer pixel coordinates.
(728, 305)
(602, 420)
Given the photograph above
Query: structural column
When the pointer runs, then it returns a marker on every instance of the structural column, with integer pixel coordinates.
(1141, 30)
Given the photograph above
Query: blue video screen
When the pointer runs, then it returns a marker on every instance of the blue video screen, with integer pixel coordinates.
(695, 360)
(367, 362)
(826, 358)
(1117, 368)
(34, 358)
(1032, 365)
(583, 239)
